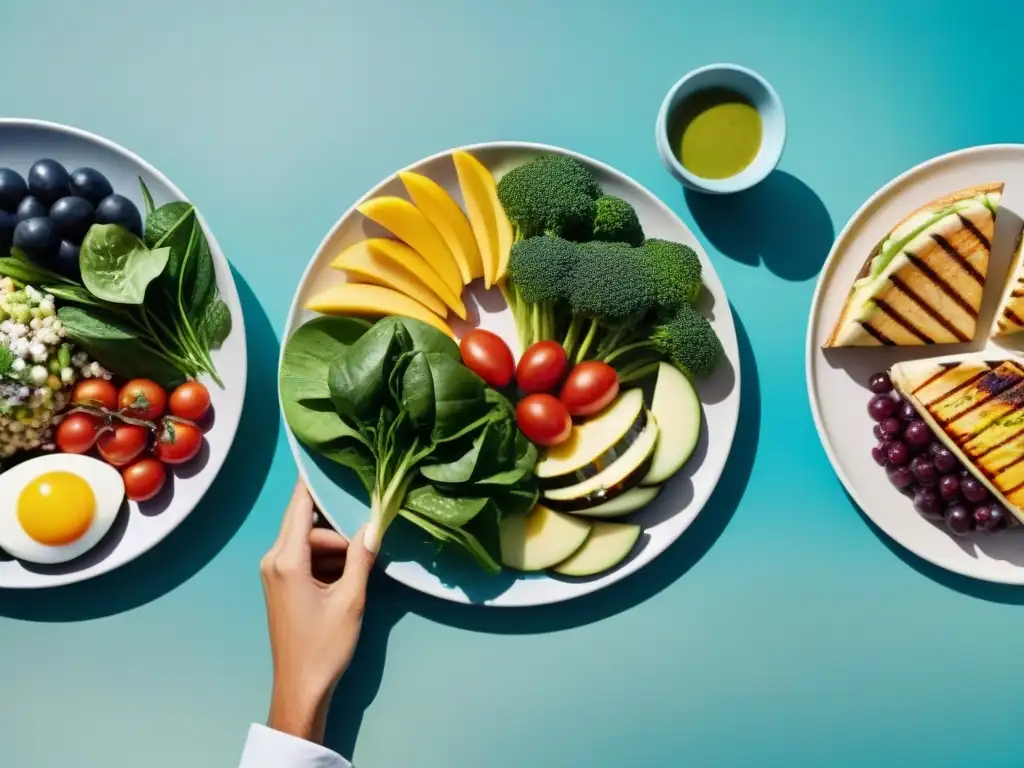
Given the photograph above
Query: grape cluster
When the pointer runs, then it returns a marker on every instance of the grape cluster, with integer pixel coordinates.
(921, 467)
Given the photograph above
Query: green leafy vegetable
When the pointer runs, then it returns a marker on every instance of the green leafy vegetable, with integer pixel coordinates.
(214, 325)
(147, 198)
(459, 536)
(117, 266)
(453, 511)
(6, 360)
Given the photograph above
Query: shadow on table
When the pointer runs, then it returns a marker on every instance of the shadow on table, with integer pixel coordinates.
(203, 533)
(1007, 594)
(781, 222)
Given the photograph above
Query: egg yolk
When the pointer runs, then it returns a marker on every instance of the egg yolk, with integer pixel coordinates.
(56, 508)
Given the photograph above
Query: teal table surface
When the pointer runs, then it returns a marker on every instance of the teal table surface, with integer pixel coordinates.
(782, 629)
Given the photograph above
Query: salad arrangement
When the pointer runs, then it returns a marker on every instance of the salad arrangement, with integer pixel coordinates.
(108, 315)
(524, 464)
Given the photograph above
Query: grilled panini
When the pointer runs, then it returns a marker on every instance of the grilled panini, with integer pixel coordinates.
(1010, 315)
(976, 407)
(923, 283)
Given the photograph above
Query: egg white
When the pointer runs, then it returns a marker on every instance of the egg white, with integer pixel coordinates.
(107, 486)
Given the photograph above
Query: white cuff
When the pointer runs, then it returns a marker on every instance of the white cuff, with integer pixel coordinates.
(267, 748)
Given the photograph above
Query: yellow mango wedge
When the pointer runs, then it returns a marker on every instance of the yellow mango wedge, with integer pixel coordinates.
(409, 224)
(474, 185)
(502, 226)
(365, 300)
(363, 261)
(447, 217)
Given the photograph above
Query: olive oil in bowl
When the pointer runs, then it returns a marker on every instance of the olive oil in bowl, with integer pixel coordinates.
(716, 133)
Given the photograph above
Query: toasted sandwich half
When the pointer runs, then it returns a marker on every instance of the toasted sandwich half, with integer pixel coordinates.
(976, 407)
(923, 283)
(1009, 317)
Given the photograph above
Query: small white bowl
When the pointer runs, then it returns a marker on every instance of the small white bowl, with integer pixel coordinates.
(746, 83)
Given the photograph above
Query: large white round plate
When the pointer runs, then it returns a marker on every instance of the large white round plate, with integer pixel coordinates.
(447, 575)
(837, 380)
(136, 530)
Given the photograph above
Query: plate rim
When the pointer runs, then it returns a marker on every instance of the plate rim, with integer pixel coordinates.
(237, 326)
(697, 503)
(811, 349)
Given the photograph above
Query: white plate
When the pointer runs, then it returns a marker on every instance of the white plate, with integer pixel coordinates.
(837, 381)
(663, 522)
(136, 530)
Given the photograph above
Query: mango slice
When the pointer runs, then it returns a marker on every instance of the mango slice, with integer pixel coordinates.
(364, 300)
(393, 264)
(447, 217)
(502, 226)
(474, 185)
(407, 223)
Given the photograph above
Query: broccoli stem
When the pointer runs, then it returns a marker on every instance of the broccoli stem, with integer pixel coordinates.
(636, 371)
(615, 354)
(535, 323)
(569, 343)
(581, 354)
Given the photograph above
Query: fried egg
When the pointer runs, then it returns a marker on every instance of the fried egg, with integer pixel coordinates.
(55, 508)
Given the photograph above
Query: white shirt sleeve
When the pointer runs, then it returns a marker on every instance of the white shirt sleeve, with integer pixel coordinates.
(267, 748)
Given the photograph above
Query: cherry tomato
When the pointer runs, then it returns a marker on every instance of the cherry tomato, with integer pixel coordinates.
(488, 356)
(177, 441)
(190, 401)
(543, 419)
(541, 367)
(143, 479)
(590, 387)
(77, 432)
(95, 392)
(122, 444)
(143, 399)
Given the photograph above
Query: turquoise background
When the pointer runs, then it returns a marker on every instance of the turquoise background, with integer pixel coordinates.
(781, 630)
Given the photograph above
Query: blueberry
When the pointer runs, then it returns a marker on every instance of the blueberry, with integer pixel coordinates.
(49, 181)
(117, 209)
(73, 217)
(8, 221)
(37, 238)
(90, 184)
(30, 208)
(67, 262)
(12, 189)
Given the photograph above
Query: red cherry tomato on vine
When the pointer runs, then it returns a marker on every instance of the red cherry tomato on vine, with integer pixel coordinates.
(77, 433)
(144, 479)
(177, 441)
(543, 419)
(95, 392)
(122, 443)
(590, 387)
(190, 401)
(541, 367)
(143, 399)
(488, 356)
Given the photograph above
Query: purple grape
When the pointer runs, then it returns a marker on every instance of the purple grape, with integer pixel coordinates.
(917, 434)
(964, 473)
(973, 490)
(891, 427)
(944, 459)
(982, 517)
(878, 454)
(877, 431)
(928, 503)
(897, 397)
(924, 471)
(958, 519)
(901, 478)
(949, 488)
(998, 517)
(881, 407)
(935, 448)
(897, 453)
(880, 383)
(906, 412)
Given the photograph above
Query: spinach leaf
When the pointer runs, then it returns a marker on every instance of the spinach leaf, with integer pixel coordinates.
(147, 198)
(453, 511)
(75, 294)
(214, 325)
(200, 278)
(504, 478)
(354, 454)
(442, 395)
(454, 536)
(170, 226)
(515, 501)
(117, 266)
(114, 342)
(461, 469)
(358, 378)
(426, 338)
(26, 272)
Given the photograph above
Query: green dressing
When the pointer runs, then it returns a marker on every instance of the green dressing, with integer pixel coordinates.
(717, 133)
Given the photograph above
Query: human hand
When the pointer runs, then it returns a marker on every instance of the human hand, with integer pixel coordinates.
(314, 582)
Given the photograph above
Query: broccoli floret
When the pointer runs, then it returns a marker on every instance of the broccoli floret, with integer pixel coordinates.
(615, 221)
(687, 340)
(677, 272)
(551, 194)
(539, 269)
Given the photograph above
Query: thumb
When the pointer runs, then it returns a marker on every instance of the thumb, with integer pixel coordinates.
(358, 563)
